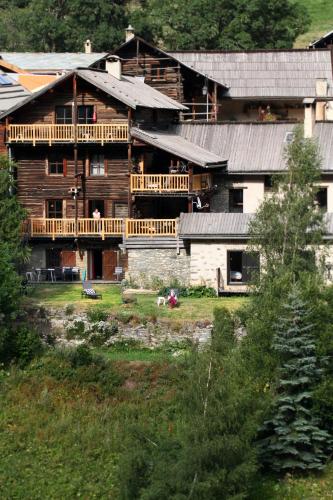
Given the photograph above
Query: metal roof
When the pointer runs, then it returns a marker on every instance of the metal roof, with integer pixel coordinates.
(11, 94)
(130, 90)
(34, 61)
(248, 147)
(260, 74)
(214, 225)
(323, 132)
(176, 144)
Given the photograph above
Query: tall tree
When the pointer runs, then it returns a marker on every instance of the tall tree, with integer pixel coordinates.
(294, 438)
(220, 24)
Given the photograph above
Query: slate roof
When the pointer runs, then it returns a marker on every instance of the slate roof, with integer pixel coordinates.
(178, 145)
(59, 61)
(260, 74)
(323, 132)
(11, 95)
(248, 147)
(130, 90)
(214, 225)
(223, 226)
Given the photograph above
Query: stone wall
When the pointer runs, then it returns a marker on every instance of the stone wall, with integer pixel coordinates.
(37, 258)
(209, 255)
(145, 265)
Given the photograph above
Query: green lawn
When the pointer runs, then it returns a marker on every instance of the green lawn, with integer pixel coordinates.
(321, 13)
(194, 309)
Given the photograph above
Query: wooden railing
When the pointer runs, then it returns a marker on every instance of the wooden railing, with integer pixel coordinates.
(159, 183)
(101, 227)
(47, 133)
(57, 228)
(101, 133)
(40, 133)
(66, 227)
(150, 227)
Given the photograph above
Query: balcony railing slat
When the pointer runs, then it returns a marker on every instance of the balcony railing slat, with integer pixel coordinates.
(43, 227)
(55, 133)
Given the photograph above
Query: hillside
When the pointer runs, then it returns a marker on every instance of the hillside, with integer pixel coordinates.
(321, 13)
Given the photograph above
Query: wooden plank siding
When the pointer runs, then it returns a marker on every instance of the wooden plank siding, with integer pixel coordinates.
(3, 149)
(43, 109)
(35, 186)
(164, 74)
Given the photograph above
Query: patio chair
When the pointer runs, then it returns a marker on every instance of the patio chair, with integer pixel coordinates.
(89, 291)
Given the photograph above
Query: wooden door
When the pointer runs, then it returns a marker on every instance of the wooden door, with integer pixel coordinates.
(109, 264)
(68, 258)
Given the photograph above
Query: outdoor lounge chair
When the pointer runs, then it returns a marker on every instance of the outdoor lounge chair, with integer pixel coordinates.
(88, 291)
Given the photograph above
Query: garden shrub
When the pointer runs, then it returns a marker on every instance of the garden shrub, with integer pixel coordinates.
(94, 315)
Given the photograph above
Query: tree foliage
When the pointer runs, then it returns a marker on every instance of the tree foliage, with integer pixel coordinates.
(207, 449)
(59, 25)
(17, 340)
(294, 438)
(220, 24)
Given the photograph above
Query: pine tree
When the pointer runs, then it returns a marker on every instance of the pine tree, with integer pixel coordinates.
(294, 439)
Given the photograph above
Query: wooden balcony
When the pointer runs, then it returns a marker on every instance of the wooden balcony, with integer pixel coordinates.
(103, 228)
(159, 183)
(170, 183)
(54, 134)
(150, 227)
(55, 228)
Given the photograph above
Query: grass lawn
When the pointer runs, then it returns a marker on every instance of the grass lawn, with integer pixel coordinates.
(321, 14)
(190, 308)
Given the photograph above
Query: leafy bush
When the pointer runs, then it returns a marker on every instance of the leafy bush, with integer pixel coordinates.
(21, 344)
(76, 330)
(94, 315)
(197, 291)
(69, 309)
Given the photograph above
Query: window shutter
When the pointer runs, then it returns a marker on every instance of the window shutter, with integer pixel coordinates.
(251, 265)
(64, 164)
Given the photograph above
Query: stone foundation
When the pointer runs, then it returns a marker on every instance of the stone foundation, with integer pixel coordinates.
(146, 266)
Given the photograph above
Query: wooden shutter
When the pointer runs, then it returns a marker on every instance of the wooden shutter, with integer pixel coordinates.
(109, 264)
(68, 258)
(251, 266)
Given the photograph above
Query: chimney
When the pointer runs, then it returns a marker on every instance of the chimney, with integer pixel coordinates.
(87, 47)
(113, 66)
(309, 117)
(129, 33)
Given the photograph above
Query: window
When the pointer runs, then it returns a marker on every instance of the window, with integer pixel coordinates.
(85, 114)
(321, 199)
(63, 114)
(289, 137)
(55, 165)
(99, 204)
(236, 200)
(97, 165)
(268, 183)
(54, 209)
(242, 266)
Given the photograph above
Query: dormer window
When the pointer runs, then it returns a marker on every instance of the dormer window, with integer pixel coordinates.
(289, 137)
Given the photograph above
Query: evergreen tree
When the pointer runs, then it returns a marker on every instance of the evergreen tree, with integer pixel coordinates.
(295, 440)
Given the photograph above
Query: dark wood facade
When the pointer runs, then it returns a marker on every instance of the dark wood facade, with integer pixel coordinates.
(36, 186)
(43, 110)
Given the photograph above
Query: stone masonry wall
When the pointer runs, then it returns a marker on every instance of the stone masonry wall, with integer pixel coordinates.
(145, 265)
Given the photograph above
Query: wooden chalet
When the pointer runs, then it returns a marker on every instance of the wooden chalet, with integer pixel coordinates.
(85, 141)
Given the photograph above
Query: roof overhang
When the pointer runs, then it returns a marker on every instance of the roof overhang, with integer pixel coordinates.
(179, 146)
